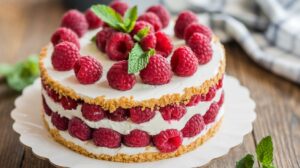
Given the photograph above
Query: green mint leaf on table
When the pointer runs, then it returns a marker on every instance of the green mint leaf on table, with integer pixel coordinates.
(264, 151)
(138, 59)
(130, 18)
(22, 74)
(246, 162)
(141, 34)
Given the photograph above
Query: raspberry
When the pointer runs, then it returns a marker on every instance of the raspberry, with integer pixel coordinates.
(76, 21)
(172, 112)
(118, 77)
(211, 113)
(119, 6)
(221, 101)
(93, 20)
(137, 138)
(87, 70)
(164, 44)
(47, 110)
(68, 103)
(77, 128)
(118, 115)
(139, 115)
(64, 56)
(184, 19)
(139, 25)
(102, 38)
(168, 140)
(162, 13)
(118, 46)
(200, 44)
(51, 93)
(195, 99)
(151, 18)
(157, 72)
(92, 112)
(211, 94)
(107, 138)
(197, 28)
(148, 42)
(65, 34)
(61, 123)
(220, 83)
(194, 126)
(184, 62)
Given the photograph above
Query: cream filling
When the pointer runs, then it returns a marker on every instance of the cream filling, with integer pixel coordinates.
(153, 127)
(90, 147)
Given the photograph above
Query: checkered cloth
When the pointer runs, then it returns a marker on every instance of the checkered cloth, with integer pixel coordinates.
(268, 30)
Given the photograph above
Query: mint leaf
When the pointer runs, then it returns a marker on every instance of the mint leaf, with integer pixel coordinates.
(138, 59)
(264, 151)
(141, 34)
(246, 162)
(130, 18)
(5, 69)
(108, 15)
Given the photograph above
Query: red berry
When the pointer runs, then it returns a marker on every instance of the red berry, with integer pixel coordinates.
(197, 28)
(76, 21)
(78, 129)
(102, 38)
(107, 138)
(137, 138)
(61, 123)
(139, 25)
(194, 126)
(220, 83)
(151, 18)
(118, 46)
(162, 13)
(211, 94)
(211, 113)
(168, 140)
(118, 115)
(87, 70)
(93, 20)
(119, 6)
(47, 109)
(195, 99)
(64, 56)
(51, 93)
(157, 72)
(148, 42)
(68, 103)
(164, 44)
(200, 45)
(184, 62)
(172, 112)
(92, 112)
(64, 34)
(221, 101)
(118, 77)
(139, 115)
(184, 19)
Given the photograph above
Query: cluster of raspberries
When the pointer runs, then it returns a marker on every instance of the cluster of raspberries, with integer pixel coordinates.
(117, 46)
(166, 141)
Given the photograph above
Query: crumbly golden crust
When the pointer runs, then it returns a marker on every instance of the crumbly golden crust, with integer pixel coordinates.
(129, 102)
(142, 157)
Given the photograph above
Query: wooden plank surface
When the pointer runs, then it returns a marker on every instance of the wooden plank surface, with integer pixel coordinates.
(25, 26)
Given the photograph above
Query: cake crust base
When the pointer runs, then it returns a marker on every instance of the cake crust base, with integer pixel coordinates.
(142, 157)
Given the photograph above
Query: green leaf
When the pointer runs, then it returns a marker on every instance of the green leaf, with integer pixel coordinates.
(141, 34)
(246, 162)
(264, 151)
(108, 15)
(130, 18)
(138, 59)
(94, 39)
(5, 69)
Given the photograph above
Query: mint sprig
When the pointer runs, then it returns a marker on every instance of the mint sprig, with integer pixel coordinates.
(264, 154)
(138, 59)
(141, 34)
(22, 74)
(114, 19)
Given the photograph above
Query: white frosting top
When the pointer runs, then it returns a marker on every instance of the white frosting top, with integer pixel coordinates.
(140, 91)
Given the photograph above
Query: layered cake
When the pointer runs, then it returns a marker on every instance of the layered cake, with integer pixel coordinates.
(129, 88)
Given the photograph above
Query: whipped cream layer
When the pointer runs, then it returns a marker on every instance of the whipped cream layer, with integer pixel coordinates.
(140, 91)
(152, 127)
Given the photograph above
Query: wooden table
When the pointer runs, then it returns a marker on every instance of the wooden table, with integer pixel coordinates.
(25, 26)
